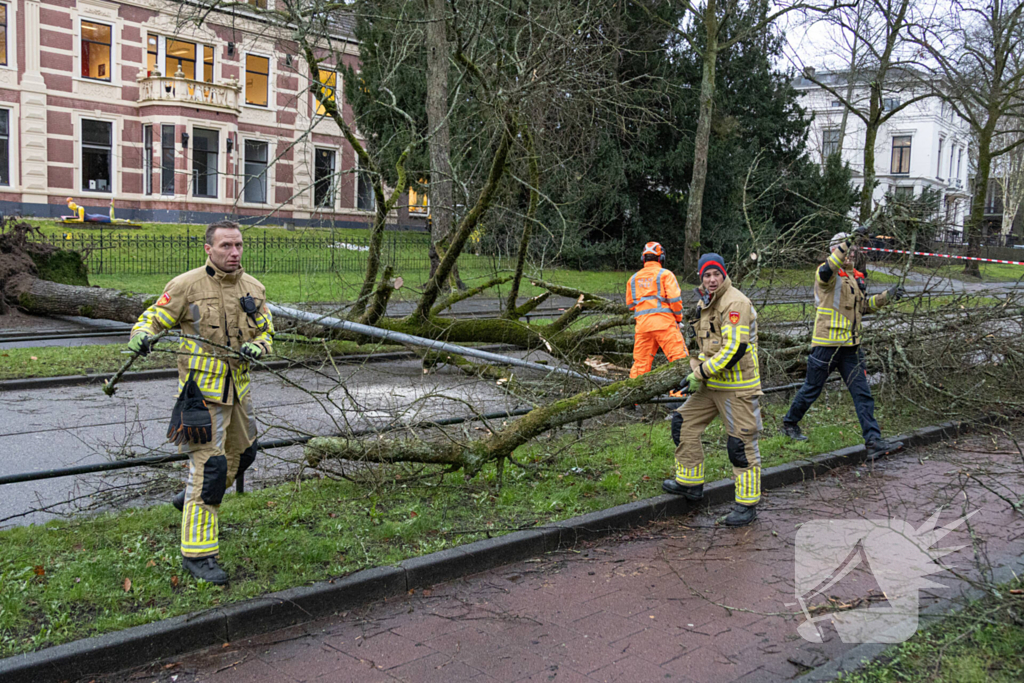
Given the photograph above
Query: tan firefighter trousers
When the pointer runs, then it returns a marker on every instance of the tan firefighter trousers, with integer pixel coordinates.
(741, 414)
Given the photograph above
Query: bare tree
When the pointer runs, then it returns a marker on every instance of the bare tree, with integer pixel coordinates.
(979, 56)
(1010, 176)
(885, 76)
(442, 201)
(721, 25)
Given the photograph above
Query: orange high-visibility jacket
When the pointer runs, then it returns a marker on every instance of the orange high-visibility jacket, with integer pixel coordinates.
(654, 296)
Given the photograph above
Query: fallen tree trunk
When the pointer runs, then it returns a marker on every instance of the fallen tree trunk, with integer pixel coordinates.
(474, 454)
(42, 297)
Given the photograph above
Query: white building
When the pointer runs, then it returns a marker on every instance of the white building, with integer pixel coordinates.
(925, 145)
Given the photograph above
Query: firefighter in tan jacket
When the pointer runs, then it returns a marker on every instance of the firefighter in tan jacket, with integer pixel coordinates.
(725, 383)
(226, 308)
(840, 295)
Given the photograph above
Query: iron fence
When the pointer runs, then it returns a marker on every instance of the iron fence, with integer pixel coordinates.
(127, 254)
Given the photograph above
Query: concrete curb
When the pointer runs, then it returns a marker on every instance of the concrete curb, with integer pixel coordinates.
(141, 644)
(168, 373)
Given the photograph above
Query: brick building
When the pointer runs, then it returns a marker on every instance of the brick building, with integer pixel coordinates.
(128, 101)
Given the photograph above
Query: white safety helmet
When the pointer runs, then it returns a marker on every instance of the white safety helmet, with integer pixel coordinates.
(837, 239)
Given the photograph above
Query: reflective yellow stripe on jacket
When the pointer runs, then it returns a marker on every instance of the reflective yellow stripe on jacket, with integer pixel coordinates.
(153, 319)
(723, 377)
(839, 328)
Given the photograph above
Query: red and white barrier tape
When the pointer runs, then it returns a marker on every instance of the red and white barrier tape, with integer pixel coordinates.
(962, 258)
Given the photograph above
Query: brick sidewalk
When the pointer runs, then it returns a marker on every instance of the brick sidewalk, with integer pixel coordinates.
(647, 606)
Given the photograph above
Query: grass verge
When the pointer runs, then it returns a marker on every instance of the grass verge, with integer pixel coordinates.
(72, 579)
(318, 286)
(983, 643)
(990, 272)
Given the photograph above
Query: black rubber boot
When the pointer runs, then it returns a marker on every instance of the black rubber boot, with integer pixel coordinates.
(205, 568)
(880, 447)
(741, 515)
(179, 500)
(793, 431)
(688, 492)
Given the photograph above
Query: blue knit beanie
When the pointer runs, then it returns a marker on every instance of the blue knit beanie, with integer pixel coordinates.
(711, 260)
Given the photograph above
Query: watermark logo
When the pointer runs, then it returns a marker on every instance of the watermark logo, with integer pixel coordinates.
(899, 557)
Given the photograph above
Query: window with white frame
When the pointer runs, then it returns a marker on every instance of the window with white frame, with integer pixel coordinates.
(328, 89)
(419, 205)
(959, 159)
(829, 142)
(256, 155)
(97, 52)
(952, 153)
(901, 154)
(97, 155)
(257, 80)
(205, 147)
(167, 159)
(194, 60)
(147, 159)
(5, 147)
(323, 177)
(365, 199)
(152, 54)
(3, 35)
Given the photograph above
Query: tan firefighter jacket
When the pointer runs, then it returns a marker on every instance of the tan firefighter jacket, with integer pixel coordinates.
(206, 302)
(841, 304)
(727, 338)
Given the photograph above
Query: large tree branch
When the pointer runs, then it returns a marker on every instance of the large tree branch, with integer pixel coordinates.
(474, 454)
(467, 225)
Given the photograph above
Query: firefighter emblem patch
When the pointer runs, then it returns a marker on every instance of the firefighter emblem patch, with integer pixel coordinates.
(164, 299)
(734, 317)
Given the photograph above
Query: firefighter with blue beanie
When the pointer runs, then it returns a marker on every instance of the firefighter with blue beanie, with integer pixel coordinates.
(725, 383)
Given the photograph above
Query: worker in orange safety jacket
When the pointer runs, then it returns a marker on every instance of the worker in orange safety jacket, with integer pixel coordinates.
(654, 296)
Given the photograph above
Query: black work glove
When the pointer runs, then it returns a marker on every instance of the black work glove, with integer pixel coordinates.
(861, 230)
(192, 417)
(174, 431)
(251, 351)
(896, 292)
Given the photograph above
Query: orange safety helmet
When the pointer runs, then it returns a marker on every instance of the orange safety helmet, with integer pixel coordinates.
(655, 249)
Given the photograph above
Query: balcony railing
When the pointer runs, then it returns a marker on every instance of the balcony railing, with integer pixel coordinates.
(179, 89)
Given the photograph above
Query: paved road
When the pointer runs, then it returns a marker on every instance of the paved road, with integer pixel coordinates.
(69, 426)
(683, 600)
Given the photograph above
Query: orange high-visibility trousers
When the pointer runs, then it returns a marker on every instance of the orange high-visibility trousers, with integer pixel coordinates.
(646, 344)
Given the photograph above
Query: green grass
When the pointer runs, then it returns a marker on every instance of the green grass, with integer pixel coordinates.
(984, 643)
(804, 277)
(67, 579)
(990, 272)
(323, 286)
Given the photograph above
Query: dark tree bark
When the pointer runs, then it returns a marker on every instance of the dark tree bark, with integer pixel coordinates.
(695, 203)
(439, 136)
(50, 298)
(531, 214)
(474, 454)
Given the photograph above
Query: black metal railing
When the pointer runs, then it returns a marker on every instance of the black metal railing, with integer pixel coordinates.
(127, 254)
